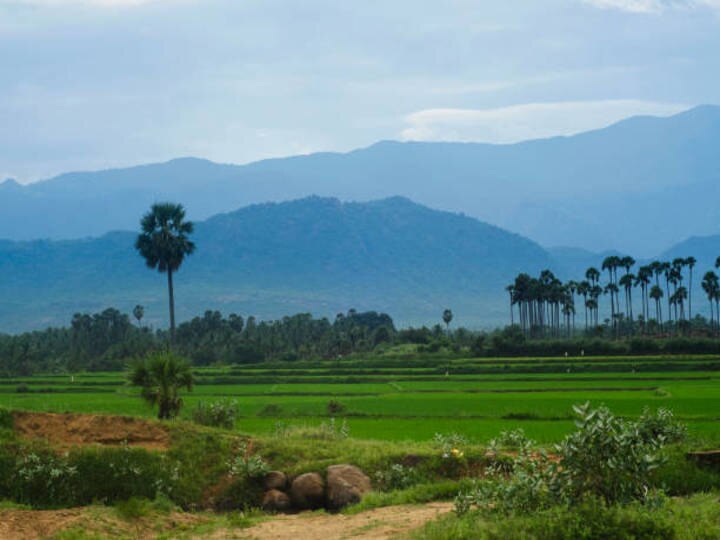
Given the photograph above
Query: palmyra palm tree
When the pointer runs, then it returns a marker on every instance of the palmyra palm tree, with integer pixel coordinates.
(690, 262)
(711, 285)
(164, 243)
(656, 293)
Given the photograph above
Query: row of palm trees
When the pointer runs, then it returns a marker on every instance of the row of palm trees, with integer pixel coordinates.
(545, 305)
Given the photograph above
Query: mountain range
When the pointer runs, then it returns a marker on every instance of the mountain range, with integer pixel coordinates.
(269, 260)
(315, 254)
(638, 186)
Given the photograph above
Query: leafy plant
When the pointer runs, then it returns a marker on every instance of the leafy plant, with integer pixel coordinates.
(160, 377)
(221, 414)
(247, 465)
(396, 476)
(514, 439)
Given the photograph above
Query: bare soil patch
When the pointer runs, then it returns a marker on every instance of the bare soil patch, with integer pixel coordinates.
(88, 429)
(377, 524)
(92, 521)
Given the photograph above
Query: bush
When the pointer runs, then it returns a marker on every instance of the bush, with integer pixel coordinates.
(396, 477)
(6, 419)
(679, 476)
(222, 414)
(661, 426)
(514, 439)
(42, 478)
(114, 474)
(606, 458)
(334, 407)
(247, 465)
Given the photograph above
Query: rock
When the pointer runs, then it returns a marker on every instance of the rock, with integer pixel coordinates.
(346, 485)
(308, 491)
(275, 480)
(276, 501)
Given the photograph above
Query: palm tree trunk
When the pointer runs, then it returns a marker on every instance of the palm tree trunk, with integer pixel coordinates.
(171, 296)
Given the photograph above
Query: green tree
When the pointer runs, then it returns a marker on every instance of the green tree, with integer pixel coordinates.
(447, 319)
(139, 313)
(164, 243)
(160, 377)
(690, 262)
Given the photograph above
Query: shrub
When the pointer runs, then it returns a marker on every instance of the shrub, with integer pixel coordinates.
(606, 458)
(247, 465)
(114, 474)
(334, 407)
(6, 419)
(222, 414)
(397, 476)
(661, 426)
(514, 439)
(42, 478)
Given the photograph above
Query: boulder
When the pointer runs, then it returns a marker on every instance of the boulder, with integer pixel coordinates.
(276, 501)
(308, 491)
(346, 484)
(275, 480)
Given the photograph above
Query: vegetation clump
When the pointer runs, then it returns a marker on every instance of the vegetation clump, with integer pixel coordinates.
(160, 377)
(606, 458)
(222, 413)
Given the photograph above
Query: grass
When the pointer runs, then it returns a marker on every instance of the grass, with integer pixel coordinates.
(401, 399)
(681, 518)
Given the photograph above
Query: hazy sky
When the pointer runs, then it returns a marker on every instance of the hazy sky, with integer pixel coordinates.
(88, 84)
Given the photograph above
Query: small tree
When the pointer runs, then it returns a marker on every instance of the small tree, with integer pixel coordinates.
(139, 313)
(447, 319)
(161, 376)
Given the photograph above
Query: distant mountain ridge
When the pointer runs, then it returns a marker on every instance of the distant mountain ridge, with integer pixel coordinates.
(270, 260)
(622, 187)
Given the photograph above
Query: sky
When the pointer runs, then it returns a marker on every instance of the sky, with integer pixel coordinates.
(92, 84)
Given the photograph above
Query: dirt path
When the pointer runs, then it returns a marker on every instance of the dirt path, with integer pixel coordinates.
(100, 522)
(378, 524)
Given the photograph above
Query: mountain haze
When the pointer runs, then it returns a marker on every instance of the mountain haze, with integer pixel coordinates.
(638, 186)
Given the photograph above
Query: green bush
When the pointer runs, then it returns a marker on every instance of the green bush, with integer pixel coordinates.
(678, 476)
(6, 419)
(334, 407)
(115, 474)
(609, 457)
(397, 476)
(222, 414)
(606, 458)
(41, 478)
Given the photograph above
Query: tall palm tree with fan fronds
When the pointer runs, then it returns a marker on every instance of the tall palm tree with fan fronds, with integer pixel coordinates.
(164, 243)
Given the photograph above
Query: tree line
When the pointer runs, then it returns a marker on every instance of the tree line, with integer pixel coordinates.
(546, 306)
(109, 339)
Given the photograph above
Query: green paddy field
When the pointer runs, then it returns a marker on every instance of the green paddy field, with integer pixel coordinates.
(405, 399)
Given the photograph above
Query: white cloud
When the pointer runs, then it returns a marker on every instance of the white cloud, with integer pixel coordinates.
(653, 6)
(526, 121)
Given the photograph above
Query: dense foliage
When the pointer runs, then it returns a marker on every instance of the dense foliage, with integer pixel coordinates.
(547, 306)
(108, 340)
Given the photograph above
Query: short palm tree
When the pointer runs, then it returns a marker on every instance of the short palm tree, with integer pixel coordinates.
(164, 243)
(161, 376)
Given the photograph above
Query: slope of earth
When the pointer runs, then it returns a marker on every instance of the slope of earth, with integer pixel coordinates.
(87, 429)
